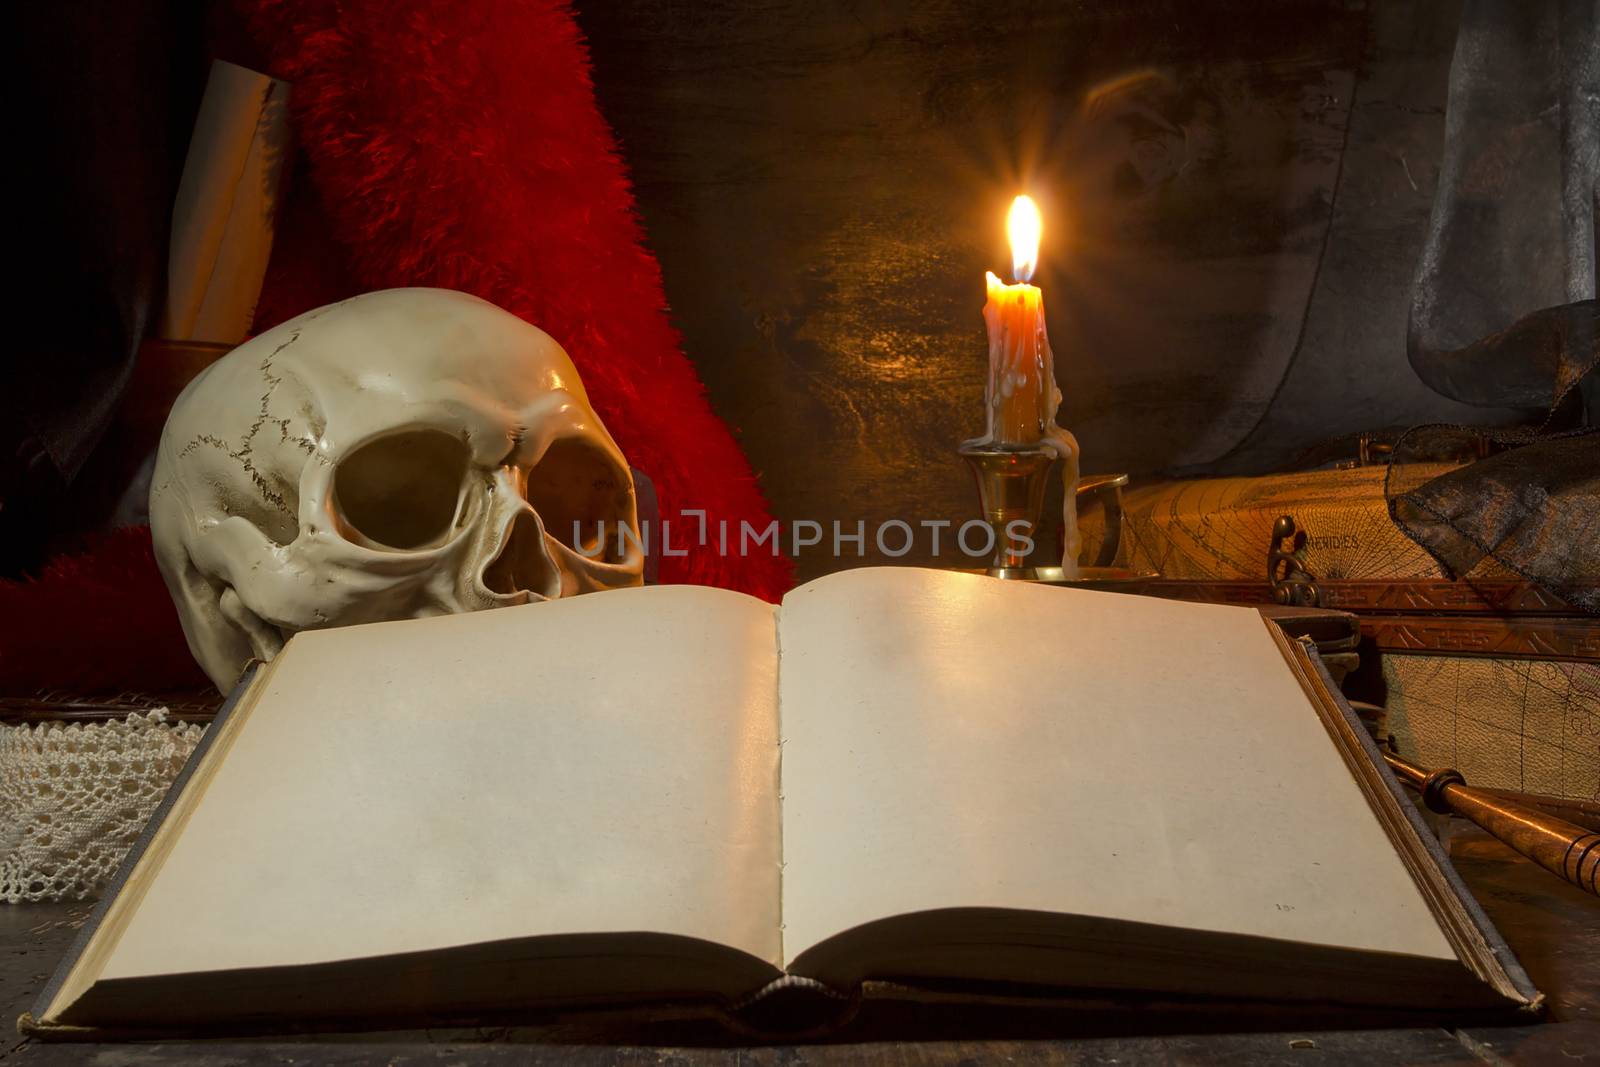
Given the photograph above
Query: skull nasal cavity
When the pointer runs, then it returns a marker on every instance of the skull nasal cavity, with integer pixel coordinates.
(523, 564)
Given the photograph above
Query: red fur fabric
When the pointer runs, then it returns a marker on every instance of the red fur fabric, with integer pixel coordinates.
(452, 143)
(459, 145)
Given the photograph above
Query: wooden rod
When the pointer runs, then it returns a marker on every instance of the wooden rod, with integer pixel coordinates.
(1584, 813)
(1558, 846)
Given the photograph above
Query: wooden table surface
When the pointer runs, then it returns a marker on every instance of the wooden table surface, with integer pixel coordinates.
(1553, 928)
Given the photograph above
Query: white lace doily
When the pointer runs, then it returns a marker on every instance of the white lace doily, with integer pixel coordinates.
(73, 799)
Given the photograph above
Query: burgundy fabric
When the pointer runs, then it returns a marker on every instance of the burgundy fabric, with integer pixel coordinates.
(95, 621)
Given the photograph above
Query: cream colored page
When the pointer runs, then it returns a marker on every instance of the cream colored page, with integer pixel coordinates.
(955, 741)
(605, 763)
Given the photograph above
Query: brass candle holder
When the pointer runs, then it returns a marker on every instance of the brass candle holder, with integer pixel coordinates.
(1011, 484)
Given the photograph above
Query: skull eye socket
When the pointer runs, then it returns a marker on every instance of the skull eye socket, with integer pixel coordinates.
(581, 497)
(401, 491)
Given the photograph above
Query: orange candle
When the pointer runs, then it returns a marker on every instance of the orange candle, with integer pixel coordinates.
(1021, 393)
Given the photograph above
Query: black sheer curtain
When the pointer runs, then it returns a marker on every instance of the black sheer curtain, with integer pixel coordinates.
(1504, 311)
(109, 94)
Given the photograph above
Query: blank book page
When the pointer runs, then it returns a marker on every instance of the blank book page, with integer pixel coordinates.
(952, 740)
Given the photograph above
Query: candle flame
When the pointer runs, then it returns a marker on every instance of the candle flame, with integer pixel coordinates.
(1022, 226)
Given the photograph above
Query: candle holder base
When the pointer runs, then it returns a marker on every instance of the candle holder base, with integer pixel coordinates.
(1011, 483)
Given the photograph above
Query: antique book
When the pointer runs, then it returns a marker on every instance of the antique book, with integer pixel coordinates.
(677, 794)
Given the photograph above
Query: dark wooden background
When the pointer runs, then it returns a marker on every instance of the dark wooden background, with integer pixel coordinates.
(1235, 192)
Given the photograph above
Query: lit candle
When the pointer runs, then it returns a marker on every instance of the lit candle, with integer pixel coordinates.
(1022, 396)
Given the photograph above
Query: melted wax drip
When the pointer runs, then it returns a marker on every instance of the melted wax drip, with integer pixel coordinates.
(1020, 355)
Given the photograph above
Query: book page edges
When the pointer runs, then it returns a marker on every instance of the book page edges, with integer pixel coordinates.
(1477, 943)
(98, 937)
(777, 706)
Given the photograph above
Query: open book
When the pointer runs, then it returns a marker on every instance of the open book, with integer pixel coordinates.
(683, 794)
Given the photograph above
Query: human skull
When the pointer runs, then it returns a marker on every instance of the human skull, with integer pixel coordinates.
(404, 453)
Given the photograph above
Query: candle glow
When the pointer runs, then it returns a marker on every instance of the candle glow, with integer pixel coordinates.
(1023, 226)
